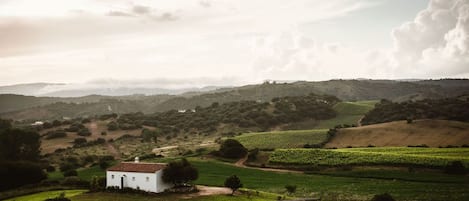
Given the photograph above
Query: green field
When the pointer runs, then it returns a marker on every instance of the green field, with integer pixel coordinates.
(282, 139)
(359, 185)
(48, 194)
(83, 173)
(427, 157)
(347, 113)
(346, 187)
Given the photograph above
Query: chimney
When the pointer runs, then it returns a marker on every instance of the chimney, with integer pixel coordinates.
(137, 160)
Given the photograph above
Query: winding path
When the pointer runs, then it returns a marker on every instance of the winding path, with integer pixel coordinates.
(240, 163)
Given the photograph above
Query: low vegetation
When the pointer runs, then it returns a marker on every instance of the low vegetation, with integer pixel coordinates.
(424, 157)
(282, 139)
(447, 109)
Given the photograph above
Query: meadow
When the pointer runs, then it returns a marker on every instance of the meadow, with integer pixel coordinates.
(347, 113)
(48, 194)
(282, 139)
(346, 187)
(425, 157)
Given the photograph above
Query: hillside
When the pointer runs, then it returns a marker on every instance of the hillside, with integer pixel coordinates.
(446, 109)
(433, 133)
(347, 90)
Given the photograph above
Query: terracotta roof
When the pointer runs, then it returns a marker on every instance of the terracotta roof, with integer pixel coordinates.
(137, 167)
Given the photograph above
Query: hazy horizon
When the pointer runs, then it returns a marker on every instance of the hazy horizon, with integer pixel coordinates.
(197, 43)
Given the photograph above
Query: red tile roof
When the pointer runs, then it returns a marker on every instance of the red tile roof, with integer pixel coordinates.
(137, 167)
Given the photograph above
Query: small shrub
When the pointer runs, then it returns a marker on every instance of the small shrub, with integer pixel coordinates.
(290, 189)
(382, 197)
(70, 173)
(50, 168)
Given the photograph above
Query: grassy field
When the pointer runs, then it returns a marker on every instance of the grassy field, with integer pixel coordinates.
(83, 173)
(433, 133)
(281, 139)
(345, 188)
(347, 113)
(352, 185)
(427, 157)
(164, 197)
(48, 194)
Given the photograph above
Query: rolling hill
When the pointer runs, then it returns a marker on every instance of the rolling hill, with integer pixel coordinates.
(347, 90)
(433, 133)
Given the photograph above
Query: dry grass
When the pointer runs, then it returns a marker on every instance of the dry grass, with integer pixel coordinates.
(433, 133)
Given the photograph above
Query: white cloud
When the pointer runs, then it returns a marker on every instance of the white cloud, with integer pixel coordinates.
(436, 43)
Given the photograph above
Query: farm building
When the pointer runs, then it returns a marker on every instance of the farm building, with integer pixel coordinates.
(136, 175)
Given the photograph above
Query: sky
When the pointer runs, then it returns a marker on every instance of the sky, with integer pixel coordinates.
(231, 42)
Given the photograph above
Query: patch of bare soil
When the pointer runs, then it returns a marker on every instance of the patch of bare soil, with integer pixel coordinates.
(208, 190)
(433, 133)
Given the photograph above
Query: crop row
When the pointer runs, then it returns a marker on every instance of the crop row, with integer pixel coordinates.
(371, 156)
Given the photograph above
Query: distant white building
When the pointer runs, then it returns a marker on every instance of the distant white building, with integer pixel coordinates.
(181, 111)
(37, 123)
(136, 175)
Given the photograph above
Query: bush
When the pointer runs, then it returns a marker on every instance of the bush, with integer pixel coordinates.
(84, 132)
(50, 168)
(290, 188)
(98, 184)
(75, 182)
(456, 167)
(70, 173)
(232, 149)
(55, 134)
(112, 126)
(382, 197)
(16, 174)
(79, 141)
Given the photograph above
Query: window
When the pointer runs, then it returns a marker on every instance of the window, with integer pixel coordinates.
(112, 176)
(133, 178)
(148, 179)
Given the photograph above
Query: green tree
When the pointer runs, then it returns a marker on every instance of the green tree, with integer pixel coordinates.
(180, 173)
(97, 184)
(234, 183)
(17, 144)
(232, 149)
(290, 189)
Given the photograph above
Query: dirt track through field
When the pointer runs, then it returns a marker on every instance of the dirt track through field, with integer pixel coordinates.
(240, 163)
(208, 190)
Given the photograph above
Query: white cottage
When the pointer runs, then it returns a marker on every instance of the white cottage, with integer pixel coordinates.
(136, 175)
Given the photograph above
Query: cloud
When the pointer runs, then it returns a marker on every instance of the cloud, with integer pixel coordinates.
(141, 10)
(436, 42)
(293, 55)
(119, 14)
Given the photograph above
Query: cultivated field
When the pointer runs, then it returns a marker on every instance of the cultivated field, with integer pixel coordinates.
(282, 139)
(433, 133)
(425, 157)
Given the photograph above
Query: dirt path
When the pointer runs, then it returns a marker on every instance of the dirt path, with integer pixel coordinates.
(113, 151)
(240, 163)
(208, 190)
(155, 150)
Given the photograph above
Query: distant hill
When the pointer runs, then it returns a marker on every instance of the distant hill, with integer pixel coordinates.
(112, 88)
(433, 133)
(347, 90)
(446, 109)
